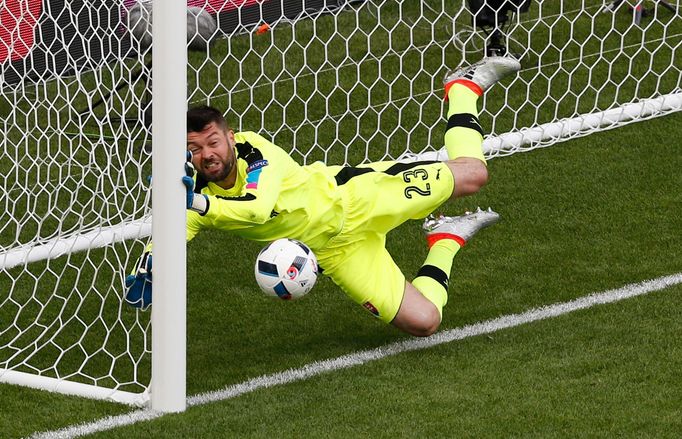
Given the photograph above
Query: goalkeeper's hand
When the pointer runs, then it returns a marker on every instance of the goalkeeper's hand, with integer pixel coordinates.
(139, 284)
(195, 202)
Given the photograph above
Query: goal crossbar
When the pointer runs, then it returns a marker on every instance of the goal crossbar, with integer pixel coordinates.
(73, 388)
(586, 124)
(57, 247)
(565, 129)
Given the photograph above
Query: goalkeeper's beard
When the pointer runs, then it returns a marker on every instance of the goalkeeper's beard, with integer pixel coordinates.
(227, 165)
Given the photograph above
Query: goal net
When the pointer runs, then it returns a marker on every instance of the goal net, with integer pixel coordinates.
(344, 82)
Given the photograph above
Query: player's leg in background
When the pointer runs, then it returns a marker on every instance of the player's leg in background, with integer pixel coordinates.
(464, 134)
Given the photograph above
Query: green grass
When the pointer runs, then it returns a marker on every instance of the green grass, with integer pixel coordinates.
(585, 375)
(588, 215)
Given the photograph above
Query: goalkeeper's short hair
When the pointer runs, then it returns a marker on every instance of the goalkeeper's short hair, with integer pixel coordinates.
(199, 117)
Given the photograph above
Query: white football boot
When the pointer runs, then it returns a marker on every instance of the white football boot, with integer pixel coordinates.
(484, 73)
(463, 226)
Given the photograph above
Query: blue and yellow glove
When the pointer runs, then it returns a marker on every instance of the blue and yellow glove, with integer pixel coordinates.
(195, 202)
(139, 284)
(138, 291)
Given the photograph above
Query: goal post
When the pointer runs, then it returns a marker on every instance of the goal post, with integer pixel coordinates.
(169, 146)
(64, 326)
(92, 104)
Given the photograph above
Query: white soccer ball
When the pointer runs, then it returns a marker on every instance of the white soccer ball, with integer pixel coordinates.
(139, 24)
(286, 269)
(200, 28)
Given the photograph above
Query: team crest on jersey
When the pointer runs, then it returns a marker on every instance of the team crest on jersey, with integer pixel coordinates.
(371, 308)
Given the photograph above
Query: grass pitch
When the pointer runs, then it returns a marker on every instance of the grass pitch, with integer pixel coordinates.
(584, 216)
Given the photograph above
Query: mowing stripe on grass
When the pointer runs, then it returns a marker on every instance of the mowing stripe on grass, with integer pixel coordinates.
(358, 358)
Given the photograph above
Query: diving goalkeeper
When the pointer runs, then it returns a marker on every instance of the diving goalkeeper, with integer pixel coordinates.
(248, 186)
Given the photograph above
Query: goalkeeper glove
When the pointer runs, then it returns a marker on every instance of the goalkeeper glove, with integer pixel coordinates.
(139, 284)
(195, 202)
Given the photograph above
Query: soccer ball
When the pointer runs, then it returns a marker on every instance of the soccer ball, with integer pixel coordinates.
(286, 269)
(201, 26)
(139, 24)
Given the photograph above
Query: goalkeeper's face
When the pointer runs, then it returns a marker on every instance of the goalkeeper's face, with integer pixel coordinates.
(213, 154)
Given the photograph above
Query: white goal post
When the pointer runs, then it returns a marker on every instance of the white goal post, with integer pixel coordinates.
(169, 121)
(91, 107)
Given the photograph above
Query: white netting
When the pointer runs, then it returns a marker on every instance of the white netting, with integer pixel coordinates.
(364, 82)
(74, 186)
(342, 82)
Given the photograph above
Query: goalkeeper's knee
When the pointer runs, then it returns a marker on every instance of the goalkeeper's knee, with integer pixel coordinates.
(470, 175)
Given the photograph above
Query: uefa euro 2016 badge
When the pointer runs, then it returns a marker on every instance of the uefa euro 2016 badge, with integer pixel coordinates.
(258, 164)
(253, 173)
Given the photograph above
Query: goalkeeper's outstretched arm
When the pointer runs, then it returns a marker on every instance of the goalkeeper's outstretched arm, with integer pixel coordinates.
(138, 284)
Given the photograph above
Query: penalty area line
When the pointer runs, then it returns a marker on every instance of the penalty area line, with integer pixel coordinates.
(362, 357)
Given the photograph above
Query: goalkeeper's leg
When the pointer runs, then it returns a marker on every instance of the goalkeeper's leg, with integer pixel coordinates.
(421, 309)
(464, 134)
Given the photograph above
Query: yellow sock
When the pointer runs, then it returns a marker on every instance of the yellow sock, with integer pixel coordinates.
(433, 277)
(464, 135)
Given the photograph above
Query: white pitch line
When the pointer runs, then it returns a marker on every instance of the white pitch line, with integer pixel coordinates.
(362, 357)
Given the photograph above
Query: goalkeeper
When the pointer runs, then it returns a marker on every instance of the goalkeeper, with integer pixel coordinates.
(246, 185)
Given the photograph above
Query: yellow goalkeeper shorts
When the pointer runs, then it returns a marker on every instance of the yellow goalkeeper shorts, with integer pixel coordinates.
(377, 198)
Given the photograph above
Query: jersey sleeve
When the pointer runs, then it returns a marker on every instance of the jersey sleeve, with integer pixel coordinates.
(193, 227)
(267, 166)
(193, 224)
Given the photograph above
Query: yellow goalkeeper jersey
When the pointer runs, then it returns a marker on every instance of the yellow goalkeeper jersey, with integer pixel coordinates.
(273, 197)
